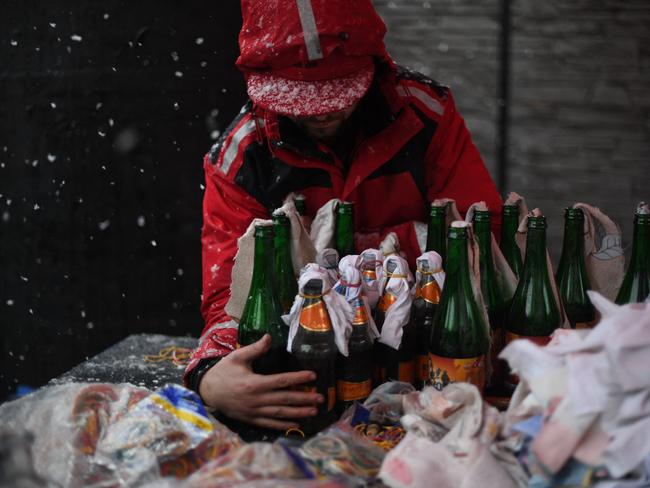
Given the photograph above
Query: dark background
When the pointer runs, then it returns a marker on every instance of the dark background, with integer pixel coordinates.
(106, 110)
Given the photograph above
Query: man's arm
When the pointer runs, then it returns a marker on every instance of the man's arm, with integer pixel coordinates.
(223, 376)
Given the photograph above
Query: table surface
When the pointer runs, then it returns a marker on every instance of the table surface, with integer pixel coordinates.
(125, 362)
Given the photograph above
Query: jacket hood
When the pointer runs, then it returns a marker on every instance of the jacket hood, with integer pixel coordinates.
(278, 34)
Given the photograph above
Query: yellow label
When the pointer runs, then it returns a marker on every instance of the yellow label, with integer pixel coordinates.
(450, 370)
(347, 391)
(315, 318)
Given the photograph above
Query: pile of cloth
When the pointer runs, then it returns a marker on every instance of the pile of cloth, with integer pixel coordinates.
(580, 416)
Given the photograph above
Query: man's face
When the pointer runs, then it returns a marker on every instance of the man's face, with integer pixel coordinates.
(323, 127)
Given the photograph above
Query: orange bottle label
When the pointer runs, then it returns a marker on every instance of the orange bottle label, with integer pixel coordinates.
(406, 371)
(386, 300)
(315, 317)
(347, 391)
(360, 316)
(539, 340)
(449, 370)
(585, 325)
(430, 292)
(422, 364)
(369, 275)
(513, 379)
(331, 397)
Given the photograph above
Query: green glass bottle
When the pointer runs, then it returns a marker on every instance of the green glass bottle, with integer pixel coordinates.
(534, 313)
(344, 233)
(636, 283)
(425, 304)
(314, 349)
(437, 230)
(571, 276)
(493, 296)
(262, 311)
(287, 285)
(509, 248)
(459, 341)
(354, 373)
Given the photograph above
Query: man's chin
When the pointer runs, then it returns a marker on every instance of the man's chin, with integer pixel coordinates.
(323, 133)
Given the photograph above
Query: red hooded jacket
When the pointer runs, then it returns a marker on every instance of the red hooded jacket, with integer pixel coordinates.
(408, 146)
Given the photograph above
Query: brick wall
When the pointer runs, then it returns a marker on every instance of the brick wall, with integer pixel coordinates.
(580, 93)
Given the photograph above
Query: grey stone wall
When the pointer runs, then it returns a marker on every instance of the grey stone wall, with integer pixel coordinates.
(580, 93)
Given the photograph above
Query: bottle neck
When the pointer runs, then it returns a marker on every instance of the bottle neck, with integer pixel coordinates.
(314, 316)
(483, 233)
(344, 234)
(573, 242)
(436, 234)
(640, 260)
(509, 226)
(263, 262)
(457, 270)
(427, 288)
(535, 260)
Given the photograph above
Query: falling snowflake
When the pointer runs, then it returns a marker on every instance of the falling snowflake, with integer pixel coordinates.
(51, 157)
(13, 43)
(104, 225)
(178, 74)
(154, 243)
(141, 221)
(76, 38)
(199, 41)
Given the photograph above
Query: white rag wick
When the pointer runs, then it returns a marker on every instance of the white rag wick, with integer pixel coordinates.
(433, 262)
(324, 225)
(339, 310)
(353, 260)
(399, 313)
(371, 287)
(389, 247)
(350, 285)
(328, 259)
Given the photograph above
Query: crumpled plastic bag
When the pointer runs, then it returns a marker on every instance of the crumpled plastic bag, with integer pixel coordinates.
(451, 441)
(592, 388)
(97, 435)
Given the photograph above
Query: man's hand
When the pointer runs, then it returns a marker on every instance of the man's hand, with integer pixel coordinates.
(232, 388)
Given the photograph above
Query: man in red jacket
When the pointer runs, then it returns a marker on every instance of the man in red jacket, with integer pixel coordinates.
(330, 115)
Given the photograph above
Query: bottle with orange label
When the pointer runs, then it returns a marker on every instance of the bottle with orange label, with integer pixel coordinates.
(571, 276)
(493, 297)
(381, 351)
(534, 312)
(425, 303)
(354, 373)
(459, 343)
(262, 311)
(313, 348)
